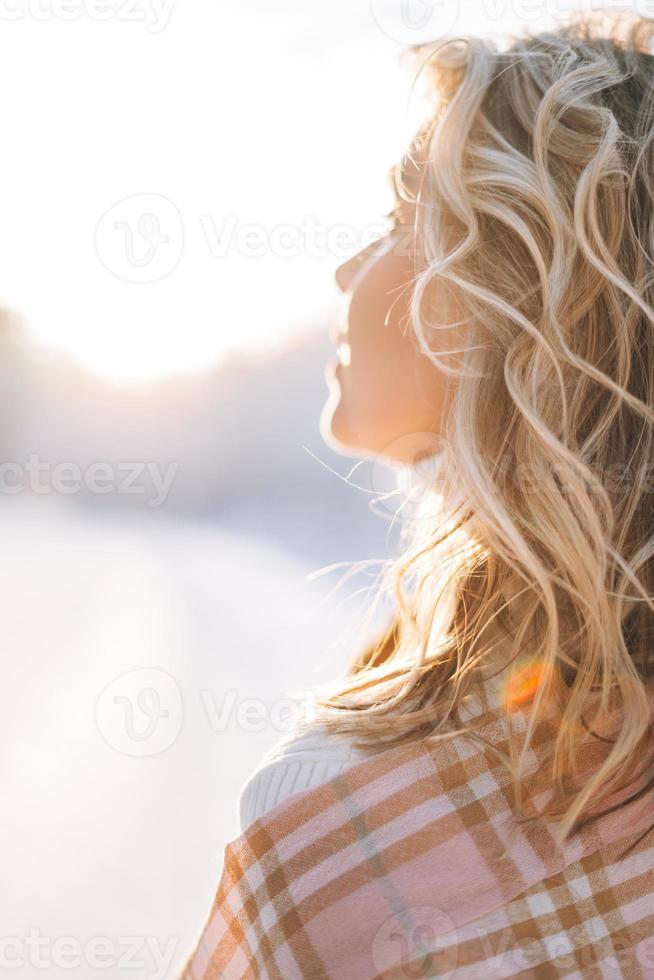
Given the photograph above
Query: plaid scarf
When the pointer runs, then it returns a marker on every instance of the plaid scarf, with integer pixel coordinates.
(411, 864)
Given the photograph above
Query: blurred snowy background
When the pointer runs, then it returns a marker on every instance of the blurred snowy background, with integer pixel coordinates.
(116, 807)
(179, 181)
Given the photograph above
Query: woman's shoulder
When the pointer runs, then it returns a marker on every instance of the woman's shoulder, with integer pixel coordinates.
(303, 760)
(299, 761)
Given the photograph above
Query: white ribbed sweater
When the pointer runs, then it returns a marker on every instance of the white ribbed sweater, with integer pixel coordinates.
(297, 762)
(300, 762)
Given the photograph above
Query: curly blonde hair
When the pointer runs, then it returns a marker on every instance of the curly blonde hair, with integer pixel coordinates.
(535, 206)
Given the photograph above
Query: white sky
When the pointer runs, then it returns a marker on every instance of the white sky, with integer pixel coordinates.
(267, 113)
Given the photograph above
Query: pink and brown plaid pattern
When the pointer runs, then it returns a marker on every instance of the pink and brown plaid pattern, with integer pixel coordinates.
(410, 864)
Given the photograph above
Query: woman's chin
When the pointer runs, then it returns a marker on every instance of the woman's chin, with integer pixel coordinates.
(334, 423)
(330, 426)
(337, 430)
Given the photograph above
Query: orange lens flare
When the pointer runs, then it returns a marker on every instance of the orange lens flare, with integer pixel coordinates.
(522, 686)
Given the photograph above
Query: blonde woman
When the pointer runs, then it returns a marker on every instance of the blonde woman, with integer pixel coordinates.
(476, 798)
